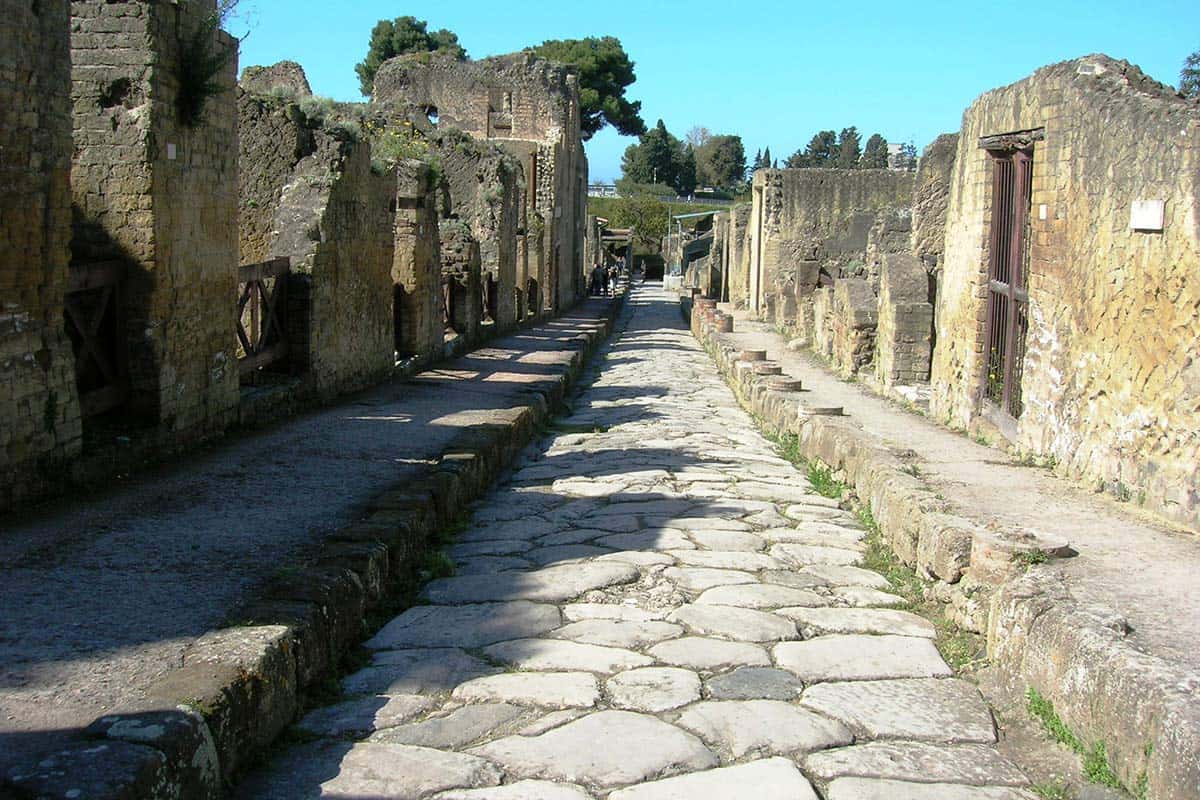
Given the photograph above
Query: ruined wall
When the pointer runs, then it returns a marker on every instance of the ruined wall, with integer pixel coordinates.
(160, 195)
(336, 223)
(484, 185)
(308, 192)
(855, 317)
(738, 247)
(461, 271)
(416, 265)
(903, 344)
(38, 401)
(513, 101)
(810, 227)
(1111, 383)
(931, 198)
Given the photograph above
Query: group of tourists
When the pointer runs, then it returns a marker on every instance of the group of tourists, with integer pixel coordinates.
(604, 279)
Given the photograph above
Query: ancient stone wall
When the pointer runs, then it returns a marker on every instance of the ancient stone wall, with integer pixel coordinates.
(1111, 383)
(513, 101)
(738, 247)
(461, 271)
(39, 405)
(309, 192)
(931, 197)
(416, 268)
(855, 317)
(903, 345)
(158, 190)
(811, 226)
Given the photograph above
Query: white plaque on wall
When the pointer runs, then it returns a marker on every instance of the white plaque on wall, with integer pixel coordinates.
(1147, 215)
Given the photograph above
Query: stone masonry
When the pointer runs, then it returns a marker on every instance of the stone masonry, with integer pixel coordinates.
(903, 345)
(160, 195)
(1110, 380)
(39, 407)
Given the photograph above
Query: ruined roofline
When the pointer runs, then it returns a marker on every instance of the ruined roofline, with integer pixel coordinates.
(521, 64)
(1108, 75)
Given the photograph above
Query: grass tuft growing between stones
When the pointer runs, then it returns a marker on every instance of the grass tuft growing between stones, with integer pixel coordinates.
(1096, 768)
(1051, 791)
(961, 649)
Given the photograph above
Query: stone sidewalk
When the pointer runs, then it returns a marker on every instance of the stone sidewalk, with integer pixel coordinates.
(653, 605)
(1139, 568)
(101, 596)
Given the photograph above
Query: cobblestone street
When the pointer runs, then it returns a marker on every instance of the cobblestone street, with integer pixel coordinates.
(653, 605)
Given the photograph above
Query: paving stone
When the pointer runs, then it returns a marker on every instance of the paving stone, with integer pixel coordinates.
(521, 529)
(692, 524)
(766, 779)
(635, 748)
(550, 584)
(654, 689)
(658, 539)
(815, 622)
(776, 493)
(557, 654)
(795, 579)
(420, 671)
(922, 709)
(836, 575)
(550, 721)
(763, 727)
(660, 507)
(724, 559)
(366, 769)
(760, 595)
(644, 560)
(575, 612)
(728, 540)
(543, 556)
(466, 626)
(769, 518)
(742, 624)
(857, 657)
(697, 579)
(921, 762)
(489, 565)
(460, 727)
(576, 689)
(873, 789)
(618, 633)
(521, 790)
(755, 683)
(865, 597)
(571, 536)
(491, 547)
(697, 652)
(835, 537)
(802, 555)
(364, 715)
(623, 524)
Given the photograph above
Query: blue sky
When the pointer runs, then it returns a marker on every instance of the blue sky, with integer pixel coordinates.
(772, 72)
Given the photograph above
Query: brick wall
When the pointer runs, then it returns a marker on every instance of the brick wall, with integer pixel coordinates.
(39, 407)
(416, 268)
(1111, 383)
(903, 344)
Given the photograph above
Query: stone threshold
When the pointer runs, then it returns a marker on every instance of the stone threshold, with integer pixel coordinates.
(1142, 707)
(241, 686)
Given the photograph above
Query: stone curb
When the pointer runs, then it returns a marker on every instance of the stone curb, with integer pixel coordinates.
(1140, 706)
(240, 687)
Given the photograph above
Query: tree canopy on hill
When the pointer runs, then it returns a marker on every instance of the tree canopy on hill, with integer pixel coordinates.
(605, 71)
(396, 37)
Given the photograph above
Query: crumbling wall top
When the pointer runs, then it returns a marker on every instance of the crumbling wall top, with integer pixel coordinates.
(286, 75)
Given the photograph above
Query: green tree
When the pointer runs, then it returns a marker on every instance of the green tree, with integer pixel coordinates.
(875, 154)
(907, 157)
(391, 38)
(656, 157)
(605, 71)
(1189, 76)
(648, 216)
(849, 151)
(821, 151)
(685, 170)
(722, 161)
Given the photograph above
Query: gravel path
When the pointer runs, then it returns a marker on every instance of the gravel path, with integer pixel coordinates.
(653, 606)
